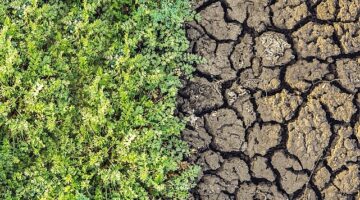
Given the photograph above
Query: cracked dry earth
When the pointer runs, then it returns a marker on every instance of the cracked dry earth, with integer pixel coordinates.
(275, 109)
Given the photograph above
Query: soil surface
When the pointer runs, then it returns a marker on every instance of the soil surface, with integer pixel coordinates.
(275, 109)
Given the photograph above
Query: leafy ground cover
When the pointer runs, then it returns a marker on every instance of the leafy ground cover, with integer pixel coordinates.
(87, 95)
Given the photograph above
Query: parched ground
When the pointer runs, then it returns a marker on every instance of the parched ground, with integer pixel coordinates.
(275, 111)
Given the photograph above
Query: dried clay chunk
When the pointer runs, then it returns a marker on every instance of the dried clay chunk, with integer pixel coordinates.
(309, 134)
(287, 13)
(348, 181)
(234, 170)
(216, 56)
(210, 160)
(198, 139)
(349, 34)
(261, 139)
(258, 12)
(273, 49)
(321, 177)
(279, 107)
(337, 102)
(262, 191)
(302, 74)
(260, 168)
(243, 53)
(267, 80)
(326, 10)
(349, 10)
(240, 99)
(212, 19)
(202, 95)
(315, 40)
(349, 73)
(290, 181)
(227, 130)
(213, 188)
(343, 149)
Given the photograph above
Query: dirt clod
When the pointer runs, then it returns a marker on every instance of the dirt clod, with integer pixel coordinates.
(279, 107)
(202, 95)
(256, 13)
(261, 191)
(303, 74)
(234, 170)
(315, 40)
(349, 75)
(240, 100)
(290, 180)
(261, 170)
(344, 149)
(273, 49)
(227, 130)
(348, 181)
(309, 134)
(217, 62)
(243, 53)
(287, 13)
(261, 139)
(214, 23)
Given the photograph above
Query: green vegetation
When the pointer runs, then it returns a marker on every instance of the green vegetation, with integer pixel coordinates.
(87, 95)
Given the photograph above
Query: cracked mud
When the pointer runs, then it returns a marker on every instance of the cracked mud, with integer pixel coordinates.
(274, 112)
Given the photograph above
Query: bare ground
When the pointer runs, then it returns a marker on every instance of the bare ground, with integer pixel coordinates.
(275, 111)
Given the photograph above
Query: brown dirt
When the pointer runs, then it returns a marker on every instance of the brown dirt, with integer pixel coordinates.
(274, 113)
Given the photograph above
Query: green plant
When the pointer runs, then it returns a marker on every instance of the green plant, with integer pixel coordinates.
(87, 95)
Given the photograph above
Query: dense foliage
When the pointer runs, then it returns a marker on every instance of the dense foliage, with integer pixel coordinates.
(87, 95)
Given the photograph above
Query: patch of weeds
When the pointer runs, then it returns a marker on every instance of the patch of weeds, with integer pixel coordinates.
(87, 95)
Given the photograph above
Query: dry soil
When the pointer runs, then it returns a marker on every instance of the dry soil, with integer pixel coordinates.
(275, 111)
